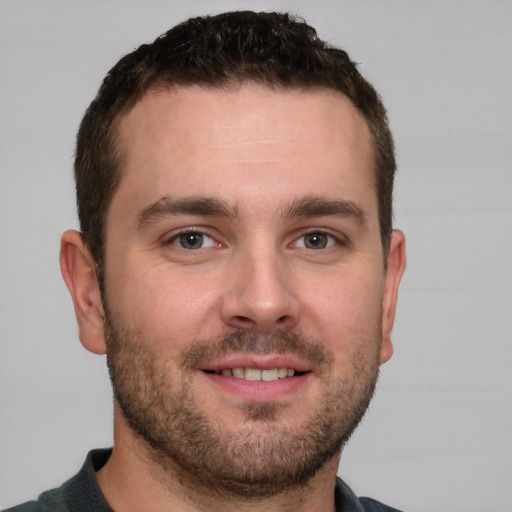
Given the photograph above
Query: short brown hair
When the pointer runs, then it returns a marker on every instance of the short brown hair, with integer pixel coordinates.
(273, 49)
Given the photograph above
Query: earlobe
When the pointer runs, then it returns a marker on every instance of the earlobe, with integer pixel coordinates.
(394, 272)
(79, 272)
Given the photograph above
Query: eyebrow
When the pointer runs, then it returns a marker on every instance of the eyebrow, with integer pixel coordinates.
(317, 206)
(187, 206)
(310, 206)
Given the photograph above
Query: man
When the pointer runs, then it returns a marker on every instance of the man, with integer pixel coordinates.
(237, 264)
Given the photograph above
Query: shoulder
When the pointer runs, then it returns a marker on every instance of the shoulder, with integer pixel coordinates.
(347, 501)
(370, 505)
(80, 493)
(30, 506)
(52, 500)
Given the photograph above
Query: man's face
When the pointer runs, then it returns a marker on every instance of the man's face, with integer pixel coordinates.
(247, 300)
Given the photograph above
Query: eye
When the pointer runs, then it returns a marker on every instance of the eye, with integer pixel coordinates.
(193, 240)
(316, 240)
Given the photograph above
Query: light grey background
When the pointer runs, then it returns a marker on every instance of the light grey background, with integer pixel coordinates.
(438, 434)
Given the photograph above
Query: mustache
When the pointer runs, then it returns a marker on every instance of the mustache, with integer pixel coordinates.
(279, 341)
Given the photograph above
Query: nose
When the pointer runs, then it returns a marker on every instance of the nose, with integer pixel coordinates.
(259, 294)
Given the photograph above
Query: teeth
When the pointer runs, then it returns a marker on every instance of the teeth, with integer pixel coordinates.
(268, 375)
(252, 374)
(255, 374)
(239, 373)
(283, 373)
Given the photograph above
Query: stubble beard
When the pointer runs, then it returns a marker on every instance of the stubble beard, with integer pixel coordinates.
(262, 457)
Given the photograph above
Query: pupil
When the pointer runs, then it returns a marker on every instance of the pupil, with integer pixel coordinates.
(191, 240)
(316, 241)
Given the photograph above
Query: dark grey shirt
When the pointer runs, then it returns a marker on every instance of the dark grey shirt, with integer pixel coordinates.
(82, 494)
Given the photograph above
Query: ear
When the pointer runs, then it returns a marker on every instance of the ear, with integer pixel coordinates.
(394, 272)
(79, 272)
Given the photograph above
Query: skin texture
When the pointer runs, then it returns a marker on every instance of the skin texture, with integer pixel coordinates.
(286, 269)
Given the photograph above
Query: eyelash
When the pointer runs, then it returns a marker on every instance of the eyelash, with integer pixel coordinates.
(174, 239)
(331, 241)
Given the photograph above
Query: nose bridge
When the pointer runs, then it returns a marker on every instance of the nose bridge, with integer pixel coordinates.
(259, 294)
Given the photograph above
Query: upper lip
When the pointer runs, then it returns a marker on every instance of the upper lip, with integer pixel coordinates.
(258, 361)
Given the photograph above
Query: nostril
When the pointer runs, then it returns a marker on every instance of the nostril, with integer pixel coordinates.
(243, 319)
(282, 319)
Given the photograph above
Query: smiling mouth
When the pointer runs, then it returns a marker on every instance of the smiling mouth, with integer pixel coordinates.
(255, 374)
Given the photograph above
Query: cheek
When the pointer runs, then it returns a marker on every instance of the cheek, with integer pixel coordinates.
(351, 289)
(167, 307)
(347, 309)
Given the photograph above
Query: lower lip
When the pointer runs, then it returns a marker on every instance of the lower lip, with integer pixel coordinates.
(259, 391)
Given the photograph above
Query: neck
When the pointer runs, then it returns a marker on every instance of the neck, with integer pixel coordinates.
(133, 480)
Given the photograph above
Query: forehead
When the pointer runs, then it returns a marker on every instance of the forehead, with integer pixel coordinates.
(244, 139)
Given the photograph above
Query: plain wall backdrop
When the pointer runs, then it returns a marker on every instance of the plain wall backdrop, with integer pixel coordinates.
(438, 435)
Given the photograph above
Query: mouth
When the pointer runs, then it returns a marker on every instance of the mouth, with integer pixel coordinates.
(257, 374)
(258, 377)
